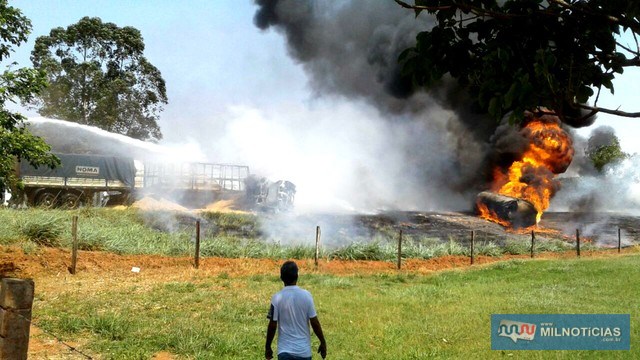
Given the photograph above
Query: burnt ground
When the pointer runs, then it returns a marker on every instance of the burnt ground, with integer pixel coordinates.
(599, 228)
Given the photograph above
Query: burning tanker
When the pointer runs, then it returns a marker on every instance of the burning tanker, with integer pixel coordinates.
(521, 191)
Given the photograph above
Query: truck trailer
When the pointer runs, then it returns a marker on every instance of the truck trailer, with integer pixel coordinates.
(95, 180)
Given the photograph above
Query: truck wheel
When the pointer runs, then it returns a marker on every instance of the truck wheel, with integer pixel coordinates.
(46, 200)
(71, 201)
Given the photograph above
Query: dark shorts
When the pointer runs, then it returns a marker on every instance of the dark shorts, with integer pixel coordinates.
(287, 356)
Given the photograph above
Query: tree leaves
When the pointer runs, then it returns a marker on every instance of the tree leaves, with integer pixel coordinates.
(604, 154)
(16, 142)
(521, 55)
(99, 76)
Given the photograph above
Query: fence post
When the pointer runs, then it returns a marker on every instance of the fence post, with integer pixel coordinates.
(74, 244)
(400, 250)
(473, 239)
(533, 240)
(16, 299)
(197, 254)
(315, 258)
(578, 242)
(619, 241)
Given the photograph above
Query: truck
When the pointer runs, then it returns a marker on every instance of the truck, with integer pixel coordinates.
(97, 180)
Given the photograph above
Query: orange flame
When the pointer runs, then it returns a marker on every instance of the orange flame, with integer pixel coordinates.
(549, 152)
(486, 213)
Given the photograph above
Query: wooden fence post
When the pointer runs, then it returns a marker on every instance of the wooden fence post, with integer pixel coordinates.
(315, 258)
(400, 250)
(578, 242)
(473, 239)
(197, 254)
(619, 241)
(16, 300)
(74, 244)
(533, 240)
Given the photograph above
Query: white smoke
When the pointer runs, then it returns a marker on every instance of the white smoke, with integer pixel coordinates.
(617, 189)
(344, 156)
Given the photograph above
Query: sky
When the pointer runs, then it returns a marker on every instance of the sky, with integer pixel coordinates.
(210, 54)
(236, 94)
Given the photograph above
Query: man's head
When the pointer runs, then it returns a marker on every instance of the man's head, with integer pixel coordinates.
(289, 273)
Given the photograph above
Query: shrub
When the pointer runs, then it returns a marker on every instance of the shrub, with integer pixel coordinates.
(43, 231)
(517, 247)
(362, 251)
(490, 249)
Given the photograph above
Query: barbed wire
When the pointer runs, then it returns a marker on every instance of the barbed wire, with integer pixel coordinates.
(71, 348)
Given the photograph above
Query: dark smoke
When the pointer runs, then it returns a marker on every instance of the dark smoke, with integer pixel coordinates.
(601, 136)
(350, 49)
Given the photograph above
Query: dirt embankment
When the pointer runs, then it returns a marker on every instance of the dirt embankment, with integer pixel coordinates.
(50, 261)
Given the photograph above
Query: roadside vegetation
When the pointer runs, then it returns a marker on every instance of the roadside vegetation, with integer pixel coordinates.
(442, 315)
(232, 235)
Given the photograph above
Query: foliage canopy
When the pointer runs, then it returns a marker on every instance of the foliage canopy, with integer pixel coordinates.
(603, 153)
(98, 75)
(535, 55)
(16, 142)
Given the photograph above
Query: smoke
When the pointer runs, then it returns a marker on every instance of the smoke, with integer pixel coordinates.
(350, 48)
(399, 148)
(345, 156)
(597, 201)
(586, 190)
(616, 189)
(601, 136)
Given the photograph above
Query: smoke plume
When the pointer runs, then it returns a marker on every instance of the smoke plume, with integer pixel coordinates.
(349, 50)
(586, 190)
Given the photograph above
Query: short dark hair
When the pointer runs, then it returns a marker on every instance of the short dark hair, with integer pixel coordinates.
(289, 272)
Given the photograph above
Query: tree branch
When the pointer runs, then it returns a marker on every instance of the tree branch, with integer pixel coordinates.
(634, 52)
(620, 21)
(633, 25)
(601, 56)
(464, 7)
(478, 10)
(594, 110)
(419, 7)
(609, 111)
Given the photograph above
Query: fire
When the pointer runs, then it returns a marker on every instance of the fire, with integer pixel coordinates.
(485, 213)
(549, 152)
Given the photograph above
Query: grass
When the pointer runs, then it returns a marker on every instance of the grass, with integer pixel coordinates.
(387, 316)
(225, 235)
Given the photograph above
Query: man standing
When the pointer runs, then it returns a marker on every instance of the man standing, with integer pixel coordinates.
(290, 313)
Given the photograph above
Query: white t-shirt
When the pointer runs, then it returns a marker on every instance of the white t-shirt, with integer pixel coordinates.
(292, 307)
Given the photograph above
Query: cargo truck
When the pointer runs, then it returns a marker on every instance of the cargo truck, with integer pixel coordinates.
(95, 180)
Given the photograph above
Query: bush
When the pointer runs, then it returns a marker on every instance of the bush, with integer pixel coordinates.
(362, 251)
(490, 249)
(43, 231)
(233, 224)
(517, 247)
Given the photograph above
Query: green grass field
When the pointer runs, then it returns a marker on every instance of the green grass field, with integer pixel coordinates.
(230, 235)
(405, 316)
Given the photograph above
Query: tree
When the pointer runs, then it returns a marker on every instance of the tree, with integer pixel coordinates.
(517, 55)
(603, 147)
(98, 75)
(16, 142)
